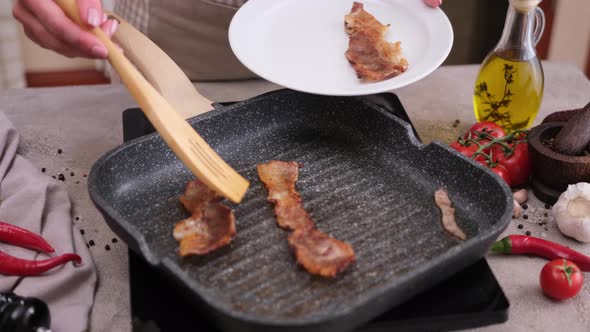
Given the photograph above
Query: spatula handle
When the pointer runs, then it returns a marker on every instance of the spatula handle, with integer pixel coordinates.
(160, 70)
(195, 153)
(124, 68)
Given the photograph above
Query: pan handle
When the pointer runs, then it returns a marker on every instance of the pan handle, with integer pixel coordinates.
(160, 70)
(390, 102)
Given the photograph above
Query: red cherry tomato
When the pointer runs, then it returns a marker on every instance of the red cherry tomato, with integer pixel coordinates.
(466, 150)
(503, 173)
(561, 279)
(498, 169)
(488, 127)
(518, 164)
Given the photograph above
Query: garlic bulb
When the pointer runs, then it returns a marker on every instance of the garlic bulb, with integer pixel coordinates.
(572, 212)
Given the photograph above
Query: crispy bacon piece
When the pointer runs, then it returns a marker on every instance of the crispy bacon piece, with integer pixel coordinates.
(359, 19)
(197, 195)
(441, 197)
(279, 178)
(320, 253)
(372, 57)
(215, 229)
(317, 252)
(211, 224)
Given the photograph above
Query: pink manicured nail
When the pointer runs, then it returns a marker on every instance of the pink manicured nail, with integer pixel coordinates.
(99, 51)
(113, 27)
(433, 3)
(93, 17)
(104, 18)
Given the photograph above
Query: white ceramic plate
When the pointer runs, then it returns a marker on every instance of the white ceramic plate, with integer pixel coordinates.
(300, 44)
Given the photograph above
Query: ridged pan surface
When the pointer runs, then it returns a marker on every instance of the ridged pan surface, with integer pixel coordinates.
(365, 179)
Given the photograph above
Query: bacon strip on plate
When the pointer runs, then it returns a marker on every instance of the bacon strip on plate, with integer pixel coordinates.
(359, 20)
(442, 200)
(317, 252)
(211, 224)
(372, 57)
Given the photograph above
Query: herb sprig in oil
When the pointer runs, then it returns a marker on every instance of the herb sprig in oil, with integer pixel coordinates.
(497, 110)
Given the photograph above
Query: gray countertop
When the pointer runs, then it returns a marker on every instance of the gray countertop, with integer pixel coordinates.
(85, 122)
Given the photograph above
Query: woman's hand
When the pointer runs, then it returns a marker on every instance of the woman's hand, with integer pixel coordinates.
(433, 3)
(47, 25)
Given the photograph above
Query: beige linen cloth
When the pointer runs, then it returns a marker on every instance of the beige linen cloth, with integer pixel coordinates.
(36, 202)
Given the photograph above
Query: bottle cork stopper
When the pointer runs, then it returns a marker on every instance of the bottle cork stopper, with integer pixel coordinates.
(525, 5)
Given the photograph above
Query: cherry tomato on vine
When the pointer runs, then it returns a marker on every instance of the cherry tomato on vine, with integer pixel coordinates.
(488, 127)
(498, 169)
(466, 150)
(561, 279)
(518, 163)
(503, 173)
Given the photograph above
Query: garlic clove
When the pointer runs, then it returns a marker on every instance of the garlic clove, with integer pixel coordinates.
(521, 196)
(516, 210)
(571, 212)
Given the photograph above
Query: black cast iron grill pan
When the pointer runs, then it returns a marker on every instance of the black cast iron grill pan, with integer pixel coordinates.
(366, 180)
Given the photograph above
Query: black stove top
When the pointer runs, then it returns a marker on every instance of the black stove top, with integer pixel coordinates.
(471, 298)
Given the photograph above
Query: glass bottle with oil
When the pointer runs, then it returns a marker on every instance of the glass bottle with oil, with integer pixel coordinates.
(509, 86)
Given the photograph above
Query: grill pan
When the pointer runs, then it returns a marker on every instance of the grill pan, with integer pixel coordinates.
(366, 179)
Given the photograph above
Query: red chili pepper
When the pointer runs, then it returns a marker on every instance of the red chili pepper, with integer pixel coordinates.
(23, 238)
(521, 244)
(10, 265)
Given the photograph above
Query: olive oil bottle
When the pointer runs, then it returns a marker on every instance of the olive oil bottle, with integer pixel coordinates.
(509, 86)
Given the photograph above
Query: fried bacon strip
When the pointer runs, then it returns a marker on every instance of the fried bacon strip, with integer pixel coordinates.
(359, 20)
(279, 178)
(196, 196)
(317, 252)
(372, 57)
(441, 197)
(211, 225)
(320, 253)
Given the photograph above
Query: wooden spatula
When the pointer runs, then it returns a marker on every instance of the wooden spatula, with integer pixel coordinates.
(196, 154)
(160, 70)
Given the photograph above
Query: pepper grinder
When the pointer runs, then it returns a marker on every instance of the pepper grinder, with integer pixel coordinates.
(20, 314)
